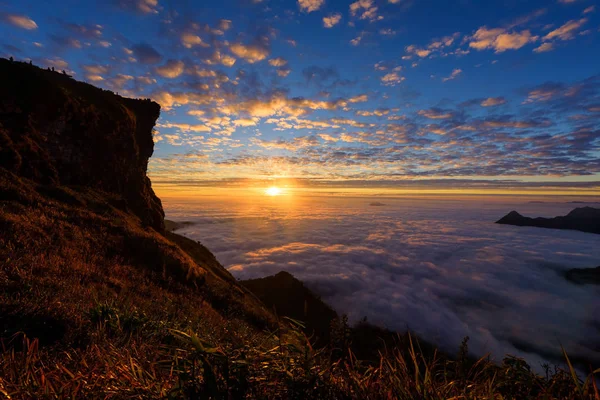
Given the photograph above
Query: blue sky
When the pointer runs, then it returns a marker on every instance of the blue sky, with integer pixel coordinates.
(319, 91)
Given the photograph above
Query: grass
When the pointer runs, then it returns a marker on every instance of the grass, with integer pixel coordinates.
(154, 361)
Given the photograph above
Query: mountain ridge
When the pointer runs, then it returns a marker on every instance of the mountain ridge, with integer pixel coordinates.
(584, 219)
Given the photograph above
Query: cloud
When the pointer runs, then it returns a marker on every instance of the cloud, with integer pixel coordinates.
(225, 24)
(56, 62)
(251, 53)
(356, 41)
(387, 32)
(20, 21)
(146, 54)
(589, 10)
(358, 99)
(139, 6)
(171, 69)
(455, 73)
(365, 9)
(331, 20)
(544, 47)
(310, 5)
(444, 272)
(435, 113)
(219, 58)
(493, 101)
(277, 62)
(392, 79)
(500, 40)
(566, 31)
(190, 40)
(184, 127)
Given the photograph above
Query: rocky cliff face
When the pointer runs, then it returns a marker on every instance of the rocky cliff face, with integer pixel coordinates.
(55, 130)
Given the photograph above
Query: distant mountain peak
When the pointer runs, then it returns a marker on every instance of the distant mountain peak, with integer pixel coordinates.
(584, 219)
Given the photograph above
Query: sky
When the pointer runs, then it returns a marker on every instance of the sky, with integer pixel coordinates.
(492, 95)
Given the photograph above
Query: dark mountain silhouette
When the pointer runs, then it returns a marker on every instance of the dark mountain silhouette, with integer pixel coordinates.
(584, 276)
(289, 297)
(585, 219)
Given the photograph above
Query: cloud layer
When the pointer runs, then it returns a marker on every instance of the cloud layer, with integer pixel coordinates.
(437, 266)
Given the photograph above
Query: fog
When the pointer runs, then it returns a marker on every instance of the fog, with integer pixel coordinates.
(438, 266)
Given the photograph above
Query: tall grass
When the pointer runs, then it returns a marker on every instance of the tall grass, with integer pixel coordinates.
(145, 362)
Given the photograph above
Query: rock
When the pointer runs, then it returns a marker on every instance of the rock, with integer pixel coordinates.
(58, 131)
(584, 219)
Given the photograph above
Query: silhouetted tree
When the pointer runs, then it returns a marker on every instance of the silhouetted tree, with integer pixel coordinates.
(11, 59)
(52, 69)
(64, 73)
(30, 62)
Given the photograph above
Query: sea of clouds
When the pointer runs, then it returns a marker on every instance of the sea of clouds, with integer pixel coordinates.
(438, 266)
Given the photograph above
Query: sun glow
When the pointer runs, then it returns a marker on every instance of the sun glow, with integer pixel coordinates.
(273, 191)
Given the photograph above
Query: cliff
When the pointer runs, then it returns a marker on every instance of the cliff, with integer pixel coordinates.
(80, 226)
(584, 219)
(55, 130)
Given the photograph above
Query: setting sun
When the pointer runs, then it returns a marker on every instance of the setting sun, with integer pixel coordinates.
(273, 191)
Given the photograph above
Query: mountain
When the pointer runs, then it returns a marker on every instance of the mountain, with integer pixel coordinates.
(82, 234)
(584, 276)
(585, 219)
(289, 297)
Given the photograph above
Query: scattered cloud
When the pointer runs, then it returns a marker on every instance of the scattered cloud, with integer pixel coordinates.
(566, 31)
(310, 5)
(190, 40)
(139, 6)
(20, 21)
(365, 9)
(277, 62)
(171, 69)
(455, 73)
(331, 20)
(493, 101)
(392, 79)
(435, 113)
(251, 53)
(544, 47)
(500, 40)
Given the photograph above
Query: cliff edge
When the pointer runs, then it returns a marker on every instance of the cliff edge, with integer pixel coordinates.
(55, 130)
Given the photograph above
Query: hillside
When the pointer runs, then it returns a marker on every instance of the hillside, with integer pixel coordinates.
(99, 301)
(289, 297)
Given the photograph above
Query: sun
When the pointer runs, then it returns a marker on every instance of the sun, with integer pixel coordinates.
(273, 191)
